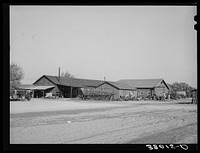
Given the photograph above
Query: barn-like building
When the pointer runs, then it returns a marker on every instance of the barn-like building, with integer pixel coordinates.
(118, 89)
(74, 87)
(147, 87)
(67, 87)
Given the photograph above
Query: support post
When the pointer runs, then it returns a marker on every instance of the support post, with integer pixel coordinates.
(33, 93)
(71, 92)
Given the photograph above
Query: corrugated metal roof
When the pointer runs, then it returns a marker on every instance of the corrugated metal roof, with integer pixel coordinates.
(120, 85)
(141, 83)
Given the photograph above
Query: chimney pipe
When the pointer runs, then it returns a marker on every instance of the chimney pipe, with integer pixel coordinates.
(104, 78)
(59, 74)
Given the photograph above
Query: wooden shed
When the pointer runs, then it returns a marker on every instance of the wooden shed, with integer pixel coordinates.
(117, 89)
(147, 87)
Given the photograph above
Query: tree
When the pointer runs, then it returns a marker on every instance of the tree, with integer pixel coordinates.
(16, 75)
(67, 74)
(181, 87)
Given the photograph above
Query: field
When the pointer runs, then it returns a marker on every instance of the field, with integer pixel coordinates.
(67, 121)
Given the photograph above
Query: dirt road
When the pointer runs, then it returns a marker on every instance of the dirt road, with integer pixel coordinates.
(109, 123)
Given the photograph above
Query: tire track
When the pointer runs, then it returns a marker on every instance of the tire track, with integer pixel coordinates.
(108, 126)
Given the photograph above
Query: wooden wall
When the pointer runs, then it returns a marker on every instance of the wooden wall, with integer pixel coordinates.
(127, 92)
(108, 88)
(117, 92)
(144, 92)
(45, 82)
(161, 88)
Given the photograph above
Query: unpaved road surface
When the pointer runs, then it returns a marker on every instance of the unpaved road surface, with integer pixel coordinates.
(87, 122)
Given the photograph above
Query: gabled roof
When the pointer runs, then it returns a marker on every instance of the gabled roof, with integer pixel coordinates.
(74, 82)
(53, 79)
(121, 86)
(124, 84)
(142, 83)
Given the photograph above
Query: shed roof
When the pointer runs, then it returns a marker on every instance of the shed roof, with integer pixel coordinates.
(75, 82)
(141, 83)
(42, 87)
(25, 86)
(35, 87)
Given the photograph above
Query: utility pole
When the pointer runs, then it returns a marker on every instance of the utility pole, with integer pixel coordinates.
(59, 73)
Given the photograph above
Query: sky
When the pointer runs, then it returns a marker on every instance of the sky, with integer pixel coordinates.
(116, 42)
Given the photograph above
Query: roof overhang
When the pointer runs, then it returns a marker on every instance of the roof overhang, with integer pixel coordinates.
(144, 87)
(38, 87)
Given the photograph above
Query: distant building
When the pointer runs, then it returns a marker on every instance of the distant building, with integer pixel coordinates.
(147, 87)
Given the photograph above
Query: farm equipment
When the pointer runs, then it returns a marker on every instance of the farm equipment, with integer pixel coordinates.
(53, 96)
(97, 95)
(20, 95)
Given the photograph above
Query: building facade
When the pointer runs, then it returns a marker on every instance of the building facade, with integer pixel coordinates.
(148, 87)
(118, 89)
(74, 87)
(63, 86)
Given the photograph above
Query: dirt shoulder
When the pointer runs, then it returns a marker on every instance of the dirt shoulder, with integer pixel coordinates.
(181, 135)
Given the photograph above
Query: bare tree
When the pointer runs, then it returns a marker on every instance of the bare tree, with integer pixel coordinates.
(67, 74)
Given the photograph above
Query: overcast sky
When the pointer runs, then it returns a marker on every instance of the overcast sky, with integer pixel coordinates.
(116, 42)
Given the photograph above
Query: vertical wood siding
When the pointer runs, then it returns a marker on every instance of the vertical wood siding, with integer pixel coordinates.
(162, 88)
(144, 92)
(108, 88)
(43, 82)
